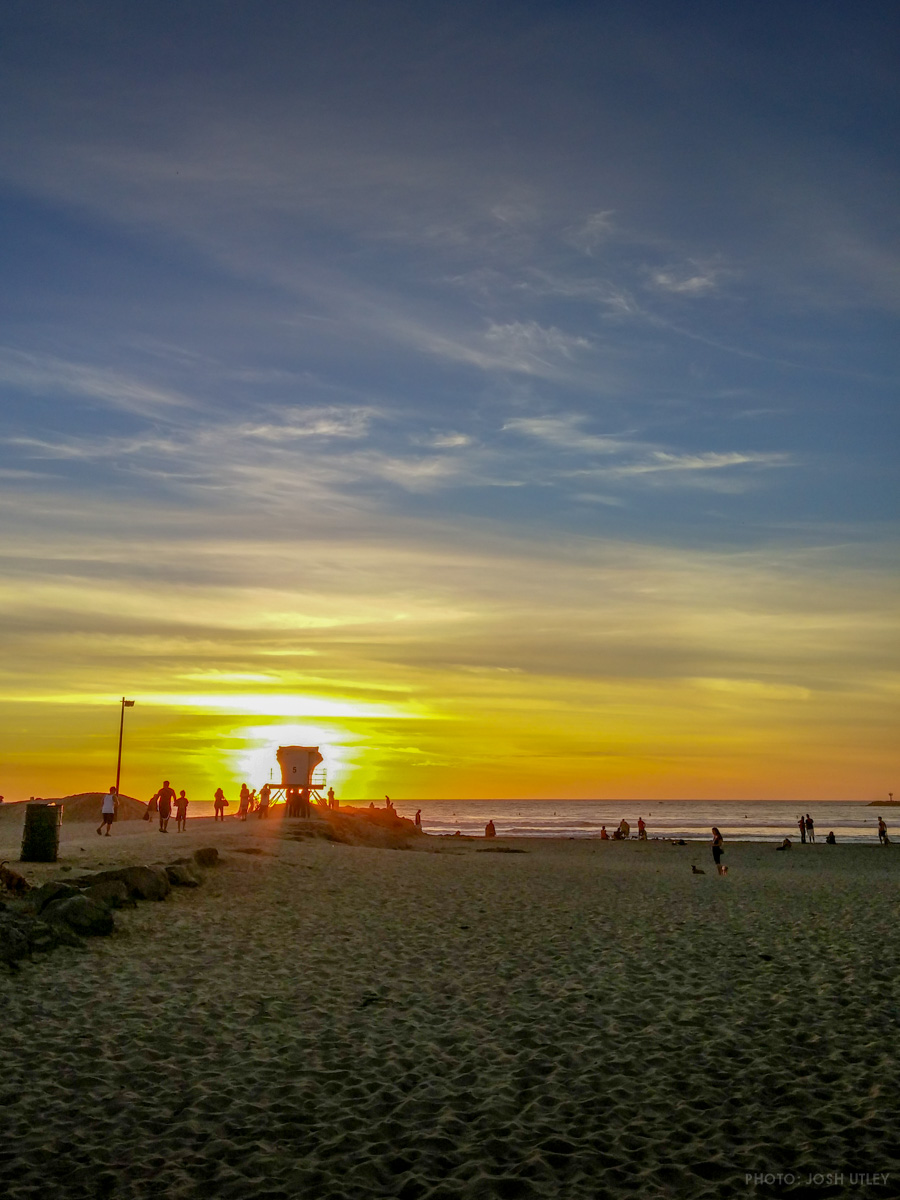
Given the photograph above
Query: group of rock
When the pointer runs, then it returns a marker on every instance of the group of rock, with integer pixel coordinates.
(62, 912)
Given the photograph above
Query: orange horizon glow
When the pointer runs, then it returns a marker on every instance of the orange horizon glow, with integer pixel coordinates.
(554, 671)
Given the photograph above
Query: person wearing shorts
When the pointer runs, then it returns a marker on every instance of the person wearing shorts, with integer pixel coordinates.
(164, 798)
(108, 811)
(181, 805)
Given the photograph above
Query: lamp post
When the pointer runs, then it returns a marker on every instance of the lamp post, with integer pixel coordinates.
(125, 704)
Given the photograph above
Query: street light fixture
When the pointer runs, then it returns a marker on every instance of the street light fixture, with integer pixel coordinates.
(125, 704)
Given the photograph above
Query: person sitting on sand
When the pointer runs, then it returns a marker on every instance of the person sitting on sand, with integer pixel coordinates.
(108, 810)
(181, 811)
(164, 798)
(785, 845)
(831, 840)
(489, 830)
(219, 803)
(718, 849)
(604, 836)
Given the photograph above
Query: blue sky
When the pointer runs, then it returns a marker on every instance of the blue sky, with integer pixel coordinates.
(457, 316)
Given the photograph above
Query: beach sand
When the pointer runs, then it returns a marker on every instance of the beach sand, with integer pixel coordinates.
(583, 1019)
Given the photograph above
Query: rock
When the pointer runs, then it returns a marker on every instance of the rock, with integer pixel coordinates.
(43, 937)
(206, 856)
(113, 893)
(84, 916)
(181, 876)
(146, 883)
(13, 941)
(40, 897)
(143, 883)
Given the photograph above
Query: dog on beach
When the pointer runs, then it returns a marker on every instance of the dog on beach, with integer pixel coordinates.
(12, 881)
(697, 871)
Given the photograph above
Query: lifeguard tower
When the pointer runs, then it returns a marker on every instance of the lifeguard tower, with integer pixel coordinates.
(302, 778)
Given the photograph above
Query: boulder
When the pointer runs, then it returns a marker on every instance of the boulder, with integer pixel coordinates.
(146, 883)
(206, 856)
(181, 876)
(13, 941)
(82, 915)
(40, 897)
(113, 893)
(42, 936)
(143, 883)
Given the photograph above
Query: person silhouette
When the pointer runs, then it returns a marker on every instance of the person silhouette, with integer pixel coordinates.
(108, 810)
(181, 805)
(164, 798)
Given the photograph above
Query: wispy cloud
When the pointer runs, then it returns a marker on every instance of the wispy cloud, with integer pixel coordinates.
(47, 375)
(700, 283)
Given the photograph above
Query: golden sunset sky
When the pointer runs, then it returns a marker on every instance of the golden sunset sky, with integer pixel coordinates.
(503, 400)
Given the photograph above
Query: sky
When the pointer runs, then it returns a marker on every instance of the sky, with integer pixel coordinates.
(500, 396)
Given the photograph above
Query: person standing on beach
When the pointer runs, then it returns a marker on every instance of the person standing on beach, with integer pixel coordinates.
(810, 828)
(164, 798)
(718, 849)
(642, 829)
(882, 831)
(801, 825)
(108, 810)
(418, 818)
(181, 811)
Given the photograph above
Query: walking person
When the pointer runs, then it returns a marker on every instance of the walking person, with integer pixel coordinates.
(181, 811)
(108, 810)
(810, 828)
(718, 849)
(164, 799)
(882, 832)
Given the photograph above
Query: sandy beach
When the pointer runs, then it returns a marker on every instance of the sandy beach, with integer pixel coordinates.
(580, 1019)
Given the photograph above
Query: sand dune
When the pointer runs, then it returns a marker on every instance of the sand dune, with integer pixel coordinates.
(83, 807)
(580, 1020)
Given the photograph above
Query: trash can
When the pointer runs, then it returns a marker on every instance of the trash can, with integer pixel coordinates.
(40, 837)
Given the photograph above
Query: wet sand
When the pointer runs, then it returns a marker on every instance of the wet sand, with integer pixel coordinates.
(583, 1019)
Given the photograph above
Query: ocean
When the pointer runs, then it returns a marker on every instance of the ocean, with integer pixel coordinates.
(739, 820)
